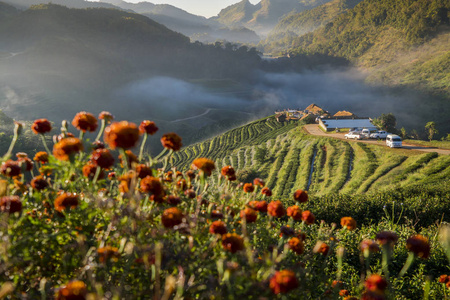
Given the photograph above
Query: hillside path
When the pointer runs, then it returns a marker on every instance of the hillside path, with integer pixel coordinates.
(315, 130)
(194, 117)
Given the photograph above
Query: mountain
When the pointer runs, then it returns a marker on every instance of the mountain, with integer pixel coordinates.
(295, 24)
(56, 61)
(198, 28)
(7, 11)
(24, 4)
(263, 16)
(401, 43)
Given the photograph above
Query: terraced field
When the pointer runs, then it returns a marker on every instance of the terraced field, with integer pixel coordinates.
(289, 159)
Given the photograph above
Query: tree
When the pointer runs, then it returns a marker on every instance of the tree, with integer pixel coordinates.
(387, 122)
(431, 128)
(403, 133)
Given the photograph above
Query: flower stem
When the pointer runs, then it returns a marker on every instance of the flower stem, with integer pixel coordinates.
(407, 265)
(102, 128)
(11, 147)
(45, 144)
(142, 146)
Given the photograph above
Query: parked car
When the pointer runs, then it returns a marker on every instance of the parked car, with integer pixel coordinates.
(381, 134)
(353, 135)
(393, 141)
(365, 133)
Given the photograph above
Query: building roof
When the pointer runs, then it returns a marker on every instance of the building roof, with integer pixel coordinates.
(344, 113)
(315, 109)
(348, 123)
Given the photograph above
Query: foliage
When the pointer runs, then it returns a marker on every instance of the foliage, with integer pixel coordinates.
(387, 122)
(126, 238)
(431, 128)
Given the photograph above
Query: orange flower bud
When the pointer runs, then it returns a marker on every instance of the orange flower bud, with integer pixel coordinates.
(283, 282)
(301, 196)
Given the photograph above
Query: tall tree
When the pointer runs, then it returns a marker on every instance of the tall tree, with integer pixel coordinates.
(431, 128)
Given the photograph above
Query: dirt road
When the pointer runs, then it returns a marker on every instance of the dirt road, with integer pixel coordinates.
(315, 130)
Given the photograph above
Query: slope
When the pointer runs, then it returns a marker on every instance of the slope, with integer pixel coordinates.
(379, 34)
(295, 24)
(289, 159)
(263, 16)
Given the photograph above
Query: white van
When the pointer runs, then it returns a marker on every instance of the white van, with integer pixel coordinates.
(393, 141)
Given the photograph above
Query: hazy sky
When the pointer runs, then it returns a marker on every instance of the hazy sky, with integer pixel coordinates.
(207, 8)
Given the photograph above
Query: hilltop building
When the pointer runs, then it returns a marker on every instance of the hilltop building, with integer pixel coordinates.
(314, 113)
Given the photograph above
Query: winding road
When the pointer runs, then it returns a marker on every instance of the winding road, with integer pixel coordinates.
(314, 129)
(194, 117)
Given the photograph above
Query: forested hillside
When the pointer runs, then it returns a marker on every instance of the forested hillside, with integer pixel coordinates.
(296, 24)
(403, 42)
(263, 16)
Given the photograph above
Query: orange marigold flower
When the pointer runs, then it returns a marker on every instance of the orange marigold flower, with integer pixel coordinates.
(106, 115)
(66, 148)
(215, 214)
(249, 214)
(386, 238)
(148, 127)
(102, 158)
(10, 168)
(321, 248)
(190, 193)
(227, 171)
(89, 171)
(218, 227)
(171, 141)
(112, 175)
(232, 178)
(41, 157)
(266, 191)
(232, 242)
(10, 204)
(249, 188)
(283, 282)
(190, 174)
(294, 212)
(276, 209)
(108, 253)
(85, 121)
(59, 137)
(65, 201)
(370, 246)
(308, 217)
(74, 290)
(376, 283)
(39, 183)
(126, 181)
(301, 196)
(41, 126)
(98, 145)
(121, 135)
(260, 206)
(25, 163)
(337, 284)
(344, 293)
(20, 155)
(296, 245)
(173, 200)
(204, 164)
(444, 278)
(131, 158)
(419, 245)
(172, 217)
(349, 223)
(286, 231)
(259, 181)
(154, 187)
(143, 171)
(182, 184)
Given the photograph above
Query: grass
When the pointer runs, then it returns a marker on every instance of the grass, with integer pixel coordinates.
(437, 144)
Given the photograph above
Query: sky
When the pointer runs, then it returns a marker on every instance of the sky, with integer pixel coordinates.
(207, 8)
